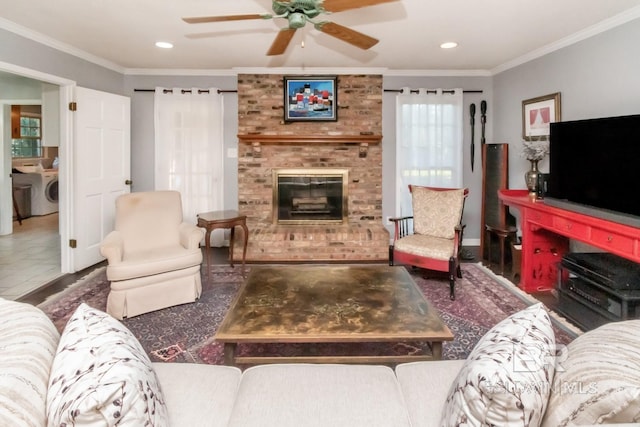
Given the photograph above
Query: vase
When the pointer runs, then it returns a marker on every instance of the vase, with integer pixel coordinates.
(531, 178)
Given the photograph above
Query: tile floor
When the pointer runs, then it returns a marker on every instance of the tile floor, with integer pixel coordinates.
(30, 257)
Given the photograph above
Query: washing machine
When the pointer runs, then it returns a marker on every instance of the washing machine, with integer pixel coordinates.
(44, 190)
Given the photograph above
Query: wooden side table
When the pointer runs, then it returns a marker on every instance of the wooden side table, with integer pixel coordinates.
(223, 219)
(506, 235)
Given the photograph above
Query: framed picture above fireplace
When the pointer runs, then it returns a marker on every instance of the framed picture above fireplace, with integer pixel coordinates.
(310, 99)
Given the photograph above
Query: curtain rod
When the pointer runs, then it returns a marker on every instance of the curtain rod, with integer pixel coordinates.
(235, 91)
(432, 91)
(185, 90)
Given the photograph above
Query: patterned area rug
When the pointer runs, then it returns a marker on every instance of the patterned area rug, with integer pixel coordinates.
(185, 333)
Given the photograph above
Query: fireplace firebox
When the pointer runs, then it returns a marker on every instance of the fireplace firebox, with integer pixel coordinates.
(310, 196)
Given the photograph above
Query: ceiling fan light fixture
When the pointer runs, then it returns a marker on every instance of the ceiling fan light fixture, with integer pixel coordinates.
(448, 45)
(297, 20)
(164, 45)
(298, 13)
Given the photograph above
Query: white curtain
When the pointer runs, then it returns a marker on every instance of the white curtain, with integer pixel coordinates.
(189, 149)
(428, 141)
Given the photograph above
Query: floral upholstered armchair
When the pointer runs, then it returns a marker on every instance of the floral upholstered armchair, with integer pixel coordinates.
(431, 238)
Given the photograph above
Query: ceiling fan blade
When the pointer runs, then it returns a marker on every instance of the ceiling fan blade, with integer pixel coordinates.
(205, 19)
(341, 5)
(281, 41)
(348, 35)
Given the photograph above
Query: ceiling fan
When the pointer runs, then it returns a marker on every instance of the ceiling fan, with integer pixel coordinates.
(298, 13)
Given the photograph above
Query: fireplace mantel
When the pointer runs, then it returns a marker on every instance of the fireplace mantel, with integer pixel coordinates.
(309, 139)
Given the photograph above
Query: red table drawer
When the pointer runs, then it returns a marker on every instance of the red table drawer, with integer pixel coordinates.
(607, 239)
(570, 227)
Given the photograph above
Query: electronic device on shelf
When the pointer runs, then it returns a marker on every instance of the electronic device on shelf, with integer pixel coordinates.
(604, 268)
(543, 185)
(592, 164)
(595, 288)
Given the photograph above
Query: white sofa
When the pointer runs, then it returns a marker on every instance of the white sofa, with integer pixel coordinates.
(97, 358)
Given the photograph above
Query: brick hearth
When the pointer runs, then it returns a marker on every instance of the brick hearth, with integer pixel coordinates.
(316, 243)
(353, 143)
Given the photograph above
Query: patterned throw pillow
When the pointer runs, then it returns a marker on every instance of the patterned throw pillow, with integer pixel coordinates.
(101, 376)
(506, 379)
(436, 213)
(598, 379)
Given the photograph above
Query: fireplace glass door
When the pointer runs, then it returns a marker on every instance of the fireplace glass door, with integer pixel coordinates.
(312, 196)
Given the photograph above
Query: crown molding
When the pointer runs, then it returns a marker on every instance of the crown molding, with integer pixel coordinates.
(58, 45)
(179, 72)
(600, 27)
(620, 19)
(309, 70)
(437, 73)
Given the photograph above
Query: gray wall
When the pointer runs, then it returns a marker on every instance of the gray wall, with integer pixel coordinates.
(597, 77)
(142, 127)
(17, 50)
(472, 180)
(14, 87)
(22, 52)
(143, 133)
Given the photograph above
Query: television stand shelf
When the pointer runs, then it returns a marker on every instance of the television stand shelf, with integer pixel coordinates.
(585, 297)
(546, 231)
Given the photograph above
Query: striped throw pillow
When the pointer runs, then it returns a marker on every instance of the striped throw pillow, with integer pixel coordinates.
(28, 341)
(597, 381)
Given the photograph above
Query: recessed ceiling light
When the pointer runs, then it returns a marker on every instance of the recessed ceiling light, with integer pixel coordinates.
(448, 45)
(164, 45)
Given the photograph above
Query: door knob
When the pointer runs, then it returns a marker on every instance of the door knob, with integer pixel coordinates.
(128, 182)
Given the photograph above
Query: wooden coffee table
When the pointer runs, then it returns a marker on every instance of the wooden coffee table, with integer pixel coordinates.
(331, 304)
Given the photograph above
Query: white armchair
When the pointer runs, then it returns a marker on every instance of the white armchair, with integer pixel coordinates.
(153, 257)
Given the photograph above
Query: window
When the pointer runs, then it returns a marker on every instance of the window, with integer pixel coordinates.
(428, 141)
(26, 134)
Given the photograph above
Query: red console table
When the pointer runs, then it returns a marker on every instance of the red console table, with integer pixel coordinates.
(546, 231)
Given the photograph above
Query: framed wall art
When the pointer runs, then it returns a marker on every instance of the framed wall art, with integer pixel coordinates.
(310, 99)
(537, 115)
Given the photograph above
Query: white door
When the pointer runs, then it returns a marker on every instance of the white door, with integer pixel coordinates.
(101, 168)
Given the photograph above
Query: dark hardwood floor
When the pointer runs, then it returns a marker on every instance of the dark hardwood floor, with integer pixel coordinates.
(548, 298)
(218, 256)
(39, 295)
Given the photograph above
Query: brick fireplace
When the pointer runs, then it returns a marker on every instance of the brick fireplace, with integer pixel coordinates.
(350, 147)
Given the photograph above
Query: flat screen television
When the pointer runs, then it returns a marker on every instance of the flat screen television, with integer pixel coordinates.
(594, 168)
